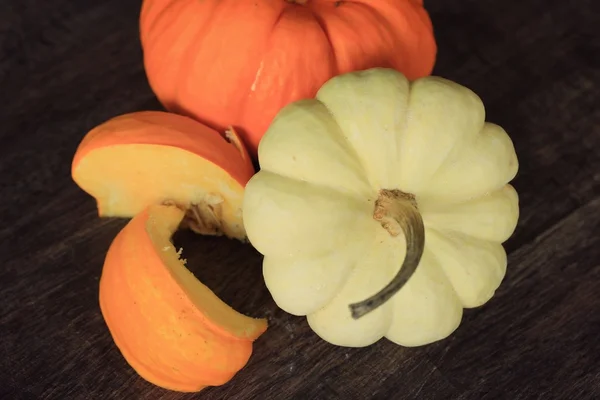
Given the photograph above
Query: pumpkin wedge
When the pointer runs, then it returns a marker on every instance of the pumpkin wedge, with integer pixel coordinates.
(173, 330)
(381, 207)
(152, 157)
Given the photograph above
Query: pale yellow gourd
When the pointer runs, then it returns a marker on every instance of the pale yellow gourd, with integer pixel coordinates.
(371, 167)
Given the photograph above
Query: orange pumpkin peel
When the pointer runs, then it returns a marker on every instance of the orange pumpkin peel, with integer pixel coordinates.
(173, 330)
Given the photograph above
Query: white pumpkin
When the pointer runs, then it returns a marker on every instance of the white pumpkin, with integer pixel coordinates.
(347, 182)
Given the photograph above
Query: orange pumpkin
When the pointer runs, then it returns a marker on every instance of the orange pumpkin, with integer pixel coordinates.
(173, 330)
(238, 62)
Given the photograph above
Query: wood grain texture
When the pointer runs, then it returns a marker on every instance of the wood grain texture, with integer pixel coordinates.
(68, 65)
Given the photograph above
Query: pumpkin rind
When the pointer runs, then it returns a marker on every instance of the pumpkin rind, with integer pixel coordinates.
(169, 327)
(324, 162)
(237, 62)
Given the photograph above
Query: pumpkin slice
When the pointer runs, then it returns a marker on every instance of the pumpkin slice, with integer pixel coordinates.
(151, 157)
(173, 330)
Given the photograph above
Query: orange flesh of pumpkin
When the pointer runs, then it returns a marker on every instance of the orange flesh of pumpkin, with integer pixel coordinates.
(144, 158)
(173, 330)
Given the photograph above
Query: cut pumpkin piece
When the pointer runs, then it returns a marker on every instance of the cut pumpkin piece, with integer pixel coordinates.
(172, 330)
(155, 157)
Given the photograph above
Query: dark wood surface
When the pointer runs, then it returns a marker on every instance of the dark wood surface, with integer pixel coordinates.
(67, 65)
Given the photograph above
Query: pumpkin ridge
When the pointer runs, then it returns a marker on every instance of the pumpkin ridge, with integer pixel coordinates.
(319, 18)
(248, 100)
(146, 15)
(349, 146)
(411, 93)
(408, 11)
(448, 237)
(241, 112)
(359, 184)
(156, 41)
(457, 145)
(326, 188)
(185, 68)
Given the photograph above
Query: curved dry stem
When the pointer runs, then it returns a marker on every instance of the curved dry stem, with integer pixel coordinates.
(397, 211)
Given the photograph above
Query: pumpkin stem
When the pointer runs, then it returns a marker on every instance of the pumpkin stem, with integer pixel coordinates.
(397, 212)
(299, 2)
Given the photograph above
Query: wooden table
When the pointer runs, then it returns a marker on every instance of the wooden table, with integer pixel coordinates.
(68, 65)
